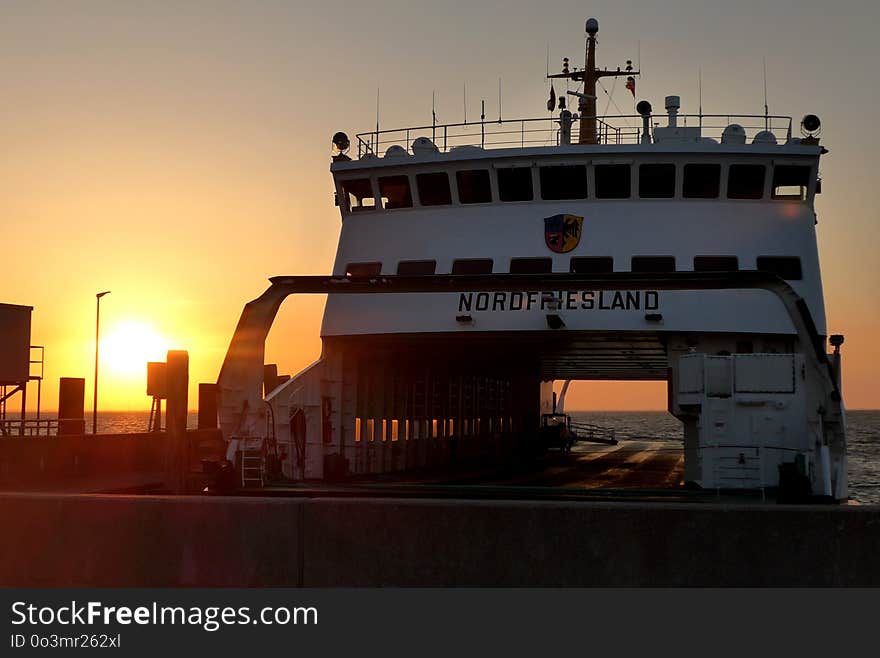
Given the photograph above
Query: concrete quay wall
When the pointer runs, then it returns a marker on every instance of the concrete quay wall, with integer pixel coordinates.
(152, 541)
(96, 463)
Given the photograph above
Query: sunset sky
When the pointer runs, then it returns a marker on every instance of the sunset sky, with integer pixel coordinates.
(177, 153)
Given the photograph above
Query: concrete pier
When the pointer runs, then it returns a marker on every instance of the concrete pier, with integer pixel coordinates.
(106, 463)
(87, 540)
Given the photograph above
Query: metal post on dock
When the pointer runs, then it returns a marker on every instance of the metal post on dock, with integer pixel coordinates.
(97, 337)
(177, 453)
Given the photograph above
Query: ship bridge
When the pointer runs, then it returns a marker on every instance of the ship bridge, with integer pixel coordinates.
(657, 199)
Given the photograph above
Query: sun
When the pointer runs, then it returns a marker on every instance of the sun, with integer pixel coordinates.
(129, 345)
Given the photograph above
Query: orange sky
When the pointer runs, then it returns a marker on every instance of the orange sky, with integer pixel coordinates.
(177, 154)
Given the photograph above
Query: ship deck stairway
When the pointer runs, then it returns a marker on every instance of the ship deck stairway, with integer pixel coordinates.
(252, 463)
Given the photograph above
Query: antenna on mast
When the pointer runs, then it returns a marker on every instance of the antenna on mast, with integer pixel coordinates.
(499, 100)
(483, 123)
(434, 115)
(766, 109)
(700, 84)
(589, 75)
(464, 100)
(376, 149)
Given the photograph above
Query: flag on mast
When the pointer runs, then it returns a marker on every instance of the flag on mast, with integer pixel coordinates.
(551, 104)
(631, 84)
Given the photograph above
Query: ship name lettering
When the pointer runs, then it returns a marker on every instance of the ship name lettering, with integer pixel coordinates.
(571, 300)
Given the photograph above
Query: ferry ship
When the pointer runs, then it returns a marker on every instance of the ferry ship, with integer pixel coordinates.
(478, 263)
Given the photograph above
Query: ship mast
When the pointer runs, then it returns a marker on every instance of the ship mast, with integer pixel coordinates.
(588, 133)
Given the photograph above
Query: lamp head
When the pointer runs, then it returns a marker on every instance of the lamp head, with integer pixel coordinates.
(341, 142)
(810, 124)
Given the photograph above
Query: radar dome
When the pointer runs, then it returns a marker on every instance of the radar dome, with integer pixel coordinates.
(734, 134)
(423, 145)
(592, 26)
(764, 137)
(395, 151)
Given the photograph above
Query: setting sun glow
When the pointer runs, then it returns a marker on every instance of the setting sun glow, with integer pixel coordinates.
(128, 346)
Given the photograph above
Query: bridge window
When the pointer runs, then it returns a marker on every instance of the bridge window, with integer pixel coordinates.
(472, 266)
(416, 267)
(790, 182)
(657, 181)
(786, 267)
(434, 189)
(653, 264)
(358, 195)
(360, 270)
(473, 186)
(563, 182)
(701, 181)
(395, 192)
(745, 181)
(613, 181)
(531, 265)
(515, 184)
(592, 264)
(716, 263)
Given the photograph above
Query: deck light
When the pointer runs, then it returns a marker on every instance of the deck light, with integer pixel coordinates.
(644, 108)
(341, 142)
(810, 124)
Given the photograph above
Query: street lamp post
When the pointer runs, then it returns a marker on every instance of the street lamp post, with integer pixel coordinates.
(97, 334)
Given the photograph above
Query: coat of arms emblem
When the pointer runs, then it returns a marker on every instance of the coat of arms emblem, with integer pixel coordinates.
(562, 233)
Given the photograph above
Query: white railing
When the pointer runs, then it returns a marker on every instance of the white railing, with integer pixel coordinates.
(519, 133)
(591, 432)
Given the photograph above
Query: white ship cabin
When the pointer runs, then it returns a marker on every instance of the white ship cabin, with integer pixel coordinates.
(412, 379)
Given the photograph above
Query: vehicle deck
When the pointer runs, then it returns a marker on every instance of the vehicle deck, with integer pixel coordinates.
(631, 470)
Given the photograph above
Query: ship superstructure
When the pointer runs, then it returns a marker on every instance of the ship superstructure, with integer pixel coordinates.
(492, 258)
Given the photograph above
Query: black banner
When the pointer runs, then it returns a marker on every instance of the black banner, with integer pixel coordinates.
(445, 622)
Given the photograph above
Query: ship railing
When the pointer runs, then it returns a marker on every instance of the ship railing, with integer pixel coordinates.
(12, 427)
(536, 132)
(591, 432)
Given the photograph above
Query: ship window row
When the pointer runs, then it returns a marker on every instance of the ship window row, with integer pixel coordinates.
(570, 182)
(786, 267)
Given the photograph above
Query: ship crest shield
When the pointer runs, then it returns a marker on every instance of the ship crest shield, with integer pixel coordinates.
(562, 233)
